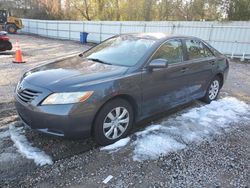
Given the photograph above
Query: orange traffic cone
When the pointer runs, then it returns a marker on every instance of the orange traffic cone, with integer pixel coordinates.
(19, 58)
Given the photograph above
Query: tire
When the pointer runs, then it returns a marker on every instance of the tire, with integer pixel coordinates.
(116, 126)
(5, 45)
(11, 28)
(213, 90)
(8, 46)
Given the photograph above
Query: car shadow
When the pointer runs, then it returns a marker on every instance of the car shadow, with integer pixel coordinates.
(60, 148)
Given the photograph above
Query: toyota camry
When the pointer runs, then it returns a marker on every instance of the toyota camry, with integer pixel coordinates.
(104, 91)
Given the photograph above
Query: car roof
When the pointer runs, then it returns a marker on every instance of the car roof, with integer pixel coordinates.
(158, 36)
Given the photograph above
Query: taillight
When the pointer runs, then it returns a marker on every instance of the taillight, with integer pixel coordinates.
(4, 38)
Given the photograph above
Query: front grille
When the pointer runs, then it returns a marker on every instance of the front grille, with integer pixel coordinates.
(27, 95)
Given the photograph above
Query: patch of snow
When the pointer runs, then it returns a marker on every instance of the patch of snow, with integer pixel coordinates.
(149, 129)
(117, 145)
(151, 146)
(193, 126)
(8, 157)
(94, 66)
(97, 66)
(4, 134)
(26, 148)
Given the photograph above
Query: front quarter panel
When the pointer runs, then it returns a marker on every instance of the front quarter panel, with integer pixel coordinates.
(128, 85)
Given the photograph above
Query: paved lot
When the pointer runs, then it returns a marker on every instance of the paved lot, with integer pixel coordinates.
(176, 149)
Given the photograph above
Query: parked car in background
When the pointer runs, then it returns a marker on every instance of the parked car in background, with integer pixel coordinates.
(5, 43)
(104, 91)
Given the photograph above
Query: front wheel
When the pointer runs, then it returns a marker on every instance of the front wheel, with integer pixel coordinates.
(212, 90)
(113, 122)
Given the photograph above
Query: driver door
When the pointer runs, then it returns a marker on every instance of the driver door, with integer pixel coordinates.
(164, 88)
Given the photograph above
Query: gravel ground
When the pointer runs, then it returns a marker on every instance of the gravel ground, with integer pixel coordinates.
(222, 161)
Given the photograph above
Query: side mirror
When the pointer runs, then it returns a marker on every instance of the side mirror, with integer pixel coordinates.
(158, 63)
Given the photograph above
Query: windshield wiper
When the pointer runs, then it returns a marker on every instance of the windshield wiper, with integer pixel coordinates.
(99, 61)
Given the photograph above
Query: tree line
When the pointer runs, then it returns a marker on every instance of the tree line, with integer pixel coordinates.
(130, 10)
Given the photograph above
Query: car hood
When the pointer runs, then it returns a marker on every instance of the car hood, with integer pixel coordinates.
(72, 73)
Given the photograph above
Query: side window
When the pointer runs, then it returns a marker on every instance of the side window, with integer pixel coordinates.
(171, 51)
(196, 49)
(208, 53)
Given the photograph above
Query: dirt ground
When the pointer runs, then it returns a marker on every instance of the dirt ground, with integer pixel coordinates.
(223, 160)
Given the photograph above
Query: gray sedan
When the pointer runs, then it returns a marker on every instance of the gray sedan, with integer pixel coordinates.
(104, 91)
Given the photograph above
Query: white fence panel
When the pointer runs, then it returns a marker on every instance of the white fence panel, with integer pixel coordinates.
(231, 38)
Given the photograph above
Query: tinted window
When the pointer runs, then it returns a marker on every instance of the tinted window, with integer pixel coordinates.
(171, 51)
(196, 49)
(122, 50)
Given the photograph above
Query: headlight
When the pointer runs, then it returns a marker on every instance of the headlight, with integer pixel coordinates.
(67, 97)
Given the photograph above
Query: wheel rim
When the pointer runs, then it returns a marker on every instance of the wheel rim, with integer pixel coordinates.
(116, 123)
(214, 89)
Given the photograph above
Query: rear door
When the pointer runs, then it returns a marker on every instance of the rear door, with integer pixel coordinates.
(200, 62)
(164, 88)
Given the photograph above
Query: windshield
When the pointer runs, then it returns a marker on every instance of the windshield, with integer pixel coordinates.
(122, 50)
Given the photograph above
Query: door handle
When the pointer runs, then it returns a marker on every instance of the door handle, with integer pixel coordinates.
(184, 69)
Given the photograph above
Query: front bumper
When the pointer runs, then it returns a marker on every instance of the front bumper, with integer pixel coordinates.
(69, 120)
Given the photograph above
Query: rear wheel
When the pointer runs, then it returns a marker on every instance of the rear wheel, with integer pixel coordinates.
(11, 28)
(113, 122)
(212, 90)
